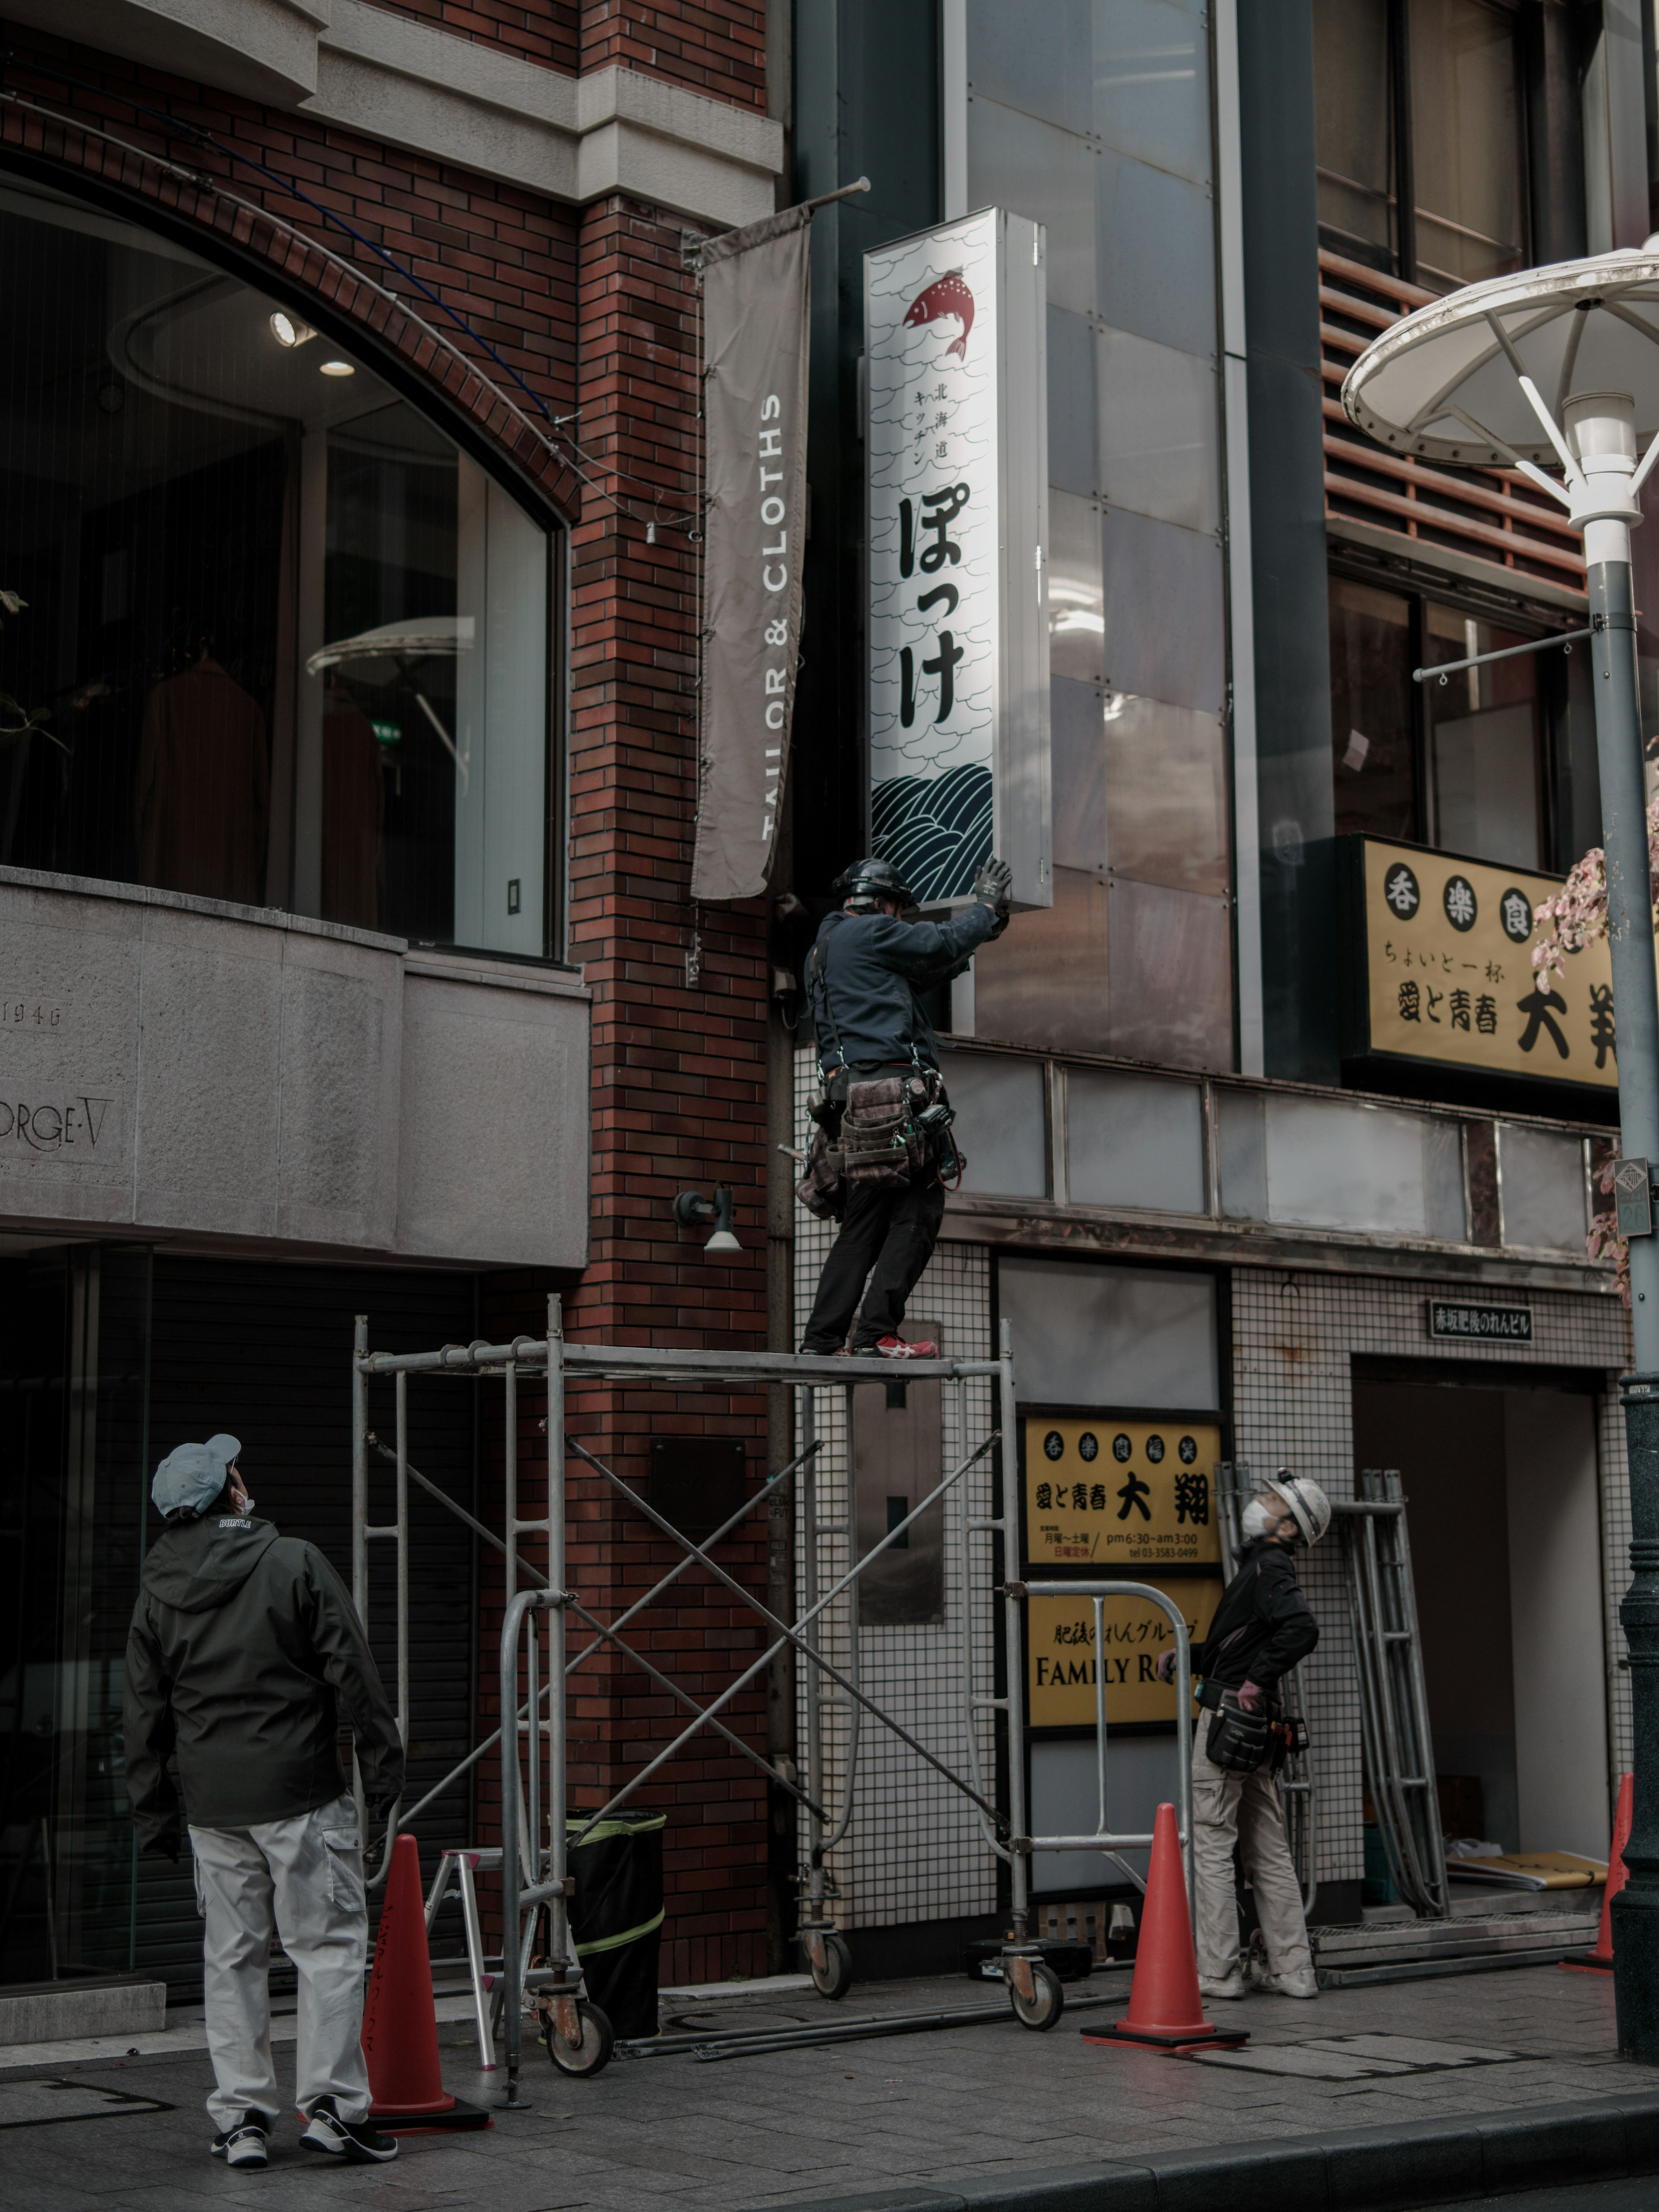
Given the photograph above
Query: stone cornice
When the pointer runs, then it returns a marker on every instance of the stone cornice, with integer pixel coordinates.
(459, 100)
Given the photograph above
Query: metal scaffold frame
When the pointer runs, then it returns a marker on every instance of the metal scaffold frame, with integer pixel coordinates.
(536, 1885)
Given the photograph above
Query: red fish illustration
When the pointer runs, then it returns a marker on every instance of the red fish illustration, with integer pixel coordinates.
(946, 295)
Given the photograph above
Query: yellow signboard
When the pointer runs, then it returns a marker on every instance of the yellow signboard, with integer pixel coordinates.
(1449, 972)
(1061, 1657)
(1111, 1494)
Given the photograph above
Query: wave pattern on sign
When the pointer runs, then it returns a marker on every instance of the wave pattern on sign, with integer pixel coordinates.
(936, 830)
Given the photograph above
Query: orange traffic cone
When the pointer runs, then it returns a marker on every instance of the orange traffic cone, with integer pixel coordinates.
(1600, 1960)
(1165, 2008)
(400, 2022)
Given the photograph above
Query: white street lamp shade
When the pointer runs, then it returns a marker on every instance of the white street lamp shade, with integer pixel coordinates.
(1442, 382)
(377, 654)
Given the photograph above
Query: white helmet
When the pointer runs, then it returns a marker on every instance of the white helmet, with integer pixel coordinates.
(1304, 1501)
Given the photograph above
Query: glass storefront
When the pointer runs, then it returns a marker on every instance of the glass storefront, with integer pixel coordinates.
(1432, 88)
(109, 1356)
(1461, 764)
(266, 635)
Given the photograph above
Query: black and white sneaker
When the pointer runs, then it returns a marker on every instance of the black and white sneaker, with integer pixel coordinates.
(354, 2142)
(244, 2145)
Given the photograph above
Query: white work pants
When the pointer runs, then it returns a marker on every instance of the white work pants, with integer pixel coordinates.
(1241, 1808)
(301, 1878)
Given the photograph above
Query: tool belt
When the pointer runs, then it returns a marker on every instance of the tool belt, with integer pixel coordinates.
(1243, 1743)
(882, 1145)
(823, 1190)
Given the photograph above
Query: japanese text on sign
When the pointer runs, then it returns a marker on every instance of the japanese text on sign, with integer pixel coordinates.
(1110, 1494)
(1061, 1658)
(1493, 1324)
(1449, 975)
(934, 607)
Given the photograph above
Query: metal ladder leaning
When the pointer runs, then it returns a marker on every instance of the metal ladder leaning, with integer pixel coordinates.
(1393, 1706)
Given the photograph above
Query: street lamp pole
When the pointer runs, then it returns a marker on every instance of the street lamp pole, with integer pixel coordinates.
(1608, 434)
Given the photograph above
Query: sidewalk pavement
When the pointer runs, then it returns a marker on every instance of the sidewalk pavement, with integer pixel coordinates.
(971, 2115)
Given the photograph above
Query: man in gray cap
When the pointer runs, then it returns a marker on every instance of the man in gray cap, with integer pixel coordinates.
(244, 1656)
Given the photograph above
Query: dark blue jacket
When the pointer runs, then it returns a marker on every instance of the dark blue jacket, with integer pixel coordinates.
(869, 968)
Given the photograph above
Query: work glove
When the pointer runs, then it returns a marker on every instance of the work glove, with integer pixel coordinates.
(1251, 1697)
(993, 886)
(1165, 1668)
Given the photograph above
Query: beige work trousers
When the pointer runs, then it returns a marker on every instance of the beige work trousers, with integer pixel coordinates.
(1241, 1808)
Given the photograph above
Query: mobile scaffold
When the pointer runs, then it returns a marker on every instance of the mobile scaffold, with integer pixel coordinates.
(535, 1667)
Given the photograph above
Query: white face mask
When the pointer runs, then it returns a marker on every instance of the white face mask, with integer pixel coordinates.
(1258, 1519)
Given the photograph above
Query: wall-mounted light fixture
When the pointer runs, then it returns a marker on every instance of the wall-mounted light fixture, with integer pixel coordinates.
(692, 1209)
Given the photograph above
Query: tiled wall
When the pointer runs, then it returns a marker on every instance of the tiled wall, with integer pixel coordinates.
(1293, 1337)
(913, 1851)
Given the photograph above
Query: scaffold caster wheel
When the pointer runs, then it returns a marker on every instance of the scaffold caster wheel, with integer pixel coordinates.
(582, 2042)
(1046, 2002)
(832, 1974)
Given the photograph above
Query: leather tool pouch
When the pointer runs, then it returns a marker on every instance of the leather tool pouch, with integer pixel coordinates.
(1238, 1742)
(823, 1190)
(883, 1147)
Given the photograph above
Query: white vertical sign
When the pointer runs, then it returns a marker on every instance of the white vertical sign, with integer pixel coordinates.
(957, 452)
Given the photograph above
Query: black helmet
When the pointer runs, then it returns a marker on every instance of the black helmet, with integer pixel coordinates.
(867, 881)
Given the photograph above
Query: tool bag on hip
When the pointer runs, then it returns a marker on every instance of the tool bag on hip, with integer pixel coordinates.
(880, 1141)
(823, 1190)
(1238, 1742)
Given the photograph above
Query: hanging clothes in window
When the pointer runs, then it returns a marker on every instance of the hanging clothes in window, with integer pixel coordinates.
(204, 787)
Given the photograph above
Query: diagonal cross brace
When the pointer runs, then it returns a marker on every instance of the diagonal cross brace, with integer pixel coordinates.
(610, 1636)
(490, 1538)
(789, 1636)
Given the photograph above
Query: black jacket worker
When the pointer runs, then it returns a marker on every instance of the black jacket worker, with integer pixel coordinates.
(864, 978)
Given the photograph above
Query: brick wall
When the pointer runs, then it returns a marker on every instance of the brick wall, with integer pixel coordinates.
(717, 47)
(547, 31)
(593, 311)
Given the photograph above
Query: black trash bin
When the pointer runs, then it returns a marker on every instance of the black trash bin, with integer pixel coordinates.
(617, 1915)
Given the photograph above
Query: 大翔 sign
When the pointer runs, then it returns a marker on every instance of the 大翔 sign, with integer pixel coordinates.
(956, 447)
(1440, 969)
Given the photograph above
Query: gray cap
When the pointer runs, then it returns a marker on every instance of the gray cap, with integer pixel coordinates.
(192, 1475)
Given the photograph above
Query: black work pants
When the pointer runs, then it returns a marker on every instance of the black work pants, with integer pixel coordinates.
(893, 1230)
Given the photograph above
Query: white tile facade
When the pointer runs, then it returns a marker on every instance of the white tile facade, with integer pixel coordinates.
(913, 1851)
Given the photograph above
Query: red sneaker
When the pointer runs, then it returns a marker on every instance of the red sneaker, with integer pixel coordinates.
(894, 1347)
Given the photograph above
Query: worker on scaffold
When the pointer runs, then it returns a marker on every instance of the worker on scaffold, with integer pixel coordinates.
(883, 1151)
(1262, 1626)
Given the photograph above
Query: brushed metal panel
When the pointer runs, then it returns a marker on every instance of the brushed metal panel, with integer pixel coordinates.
(1166, 793)
(1044, 982)
(1169, 975)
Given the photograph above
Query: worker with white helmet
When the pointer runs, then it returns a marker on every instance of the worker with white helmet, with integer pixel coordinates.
(1261, 1627)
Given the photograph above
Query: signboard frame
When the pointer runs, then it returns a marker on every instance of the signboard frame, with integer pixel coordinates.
(1166, 1573)
(955, 404)
(1357, 1043)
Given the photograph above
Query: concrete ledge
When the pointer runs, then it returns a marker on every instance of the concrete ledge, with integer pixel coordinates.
(1424, 2162)
(69, 2009)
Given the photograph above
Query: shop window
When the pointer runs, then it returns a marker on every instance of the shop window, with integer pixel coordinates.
(1485, 746)
(280, 642)
(1002, 1100)
(1544, 1185)
(1373, 715)
(1134, 1140)
(1088, 1335)
(1421, 139)
(1460, 764)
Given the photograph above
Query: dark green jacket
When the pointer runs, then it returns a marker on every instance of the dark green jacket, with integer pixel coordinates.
(244, 1656)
